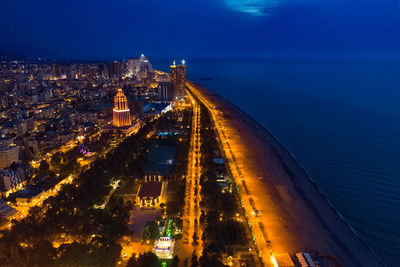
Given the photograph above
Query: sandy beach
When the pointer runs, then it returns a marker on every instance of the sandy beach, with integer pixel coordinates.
(296, 217)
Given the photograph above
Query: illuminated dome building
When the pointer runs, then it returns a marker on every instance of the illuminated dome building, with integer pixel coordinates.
(121, 112)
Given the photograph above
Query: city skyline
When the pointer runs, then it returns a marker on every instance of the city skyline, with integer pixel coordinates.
(215, 133)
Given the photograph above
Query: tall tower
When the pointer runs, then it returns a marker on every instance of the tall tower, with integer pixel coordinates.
(121, 112)
(178, 77)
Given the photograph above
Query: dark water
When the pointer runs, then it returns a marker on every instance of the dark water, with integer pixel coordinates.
(340, 120)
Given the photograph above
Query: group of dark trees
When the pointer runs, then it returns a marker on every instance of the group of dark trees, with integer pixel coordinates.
(207, 260)
(74, 214)
(44, 168)
(151, 231)
(62, 164)
(149, 259)
(176, 196)
(177, 183)
(65, 163)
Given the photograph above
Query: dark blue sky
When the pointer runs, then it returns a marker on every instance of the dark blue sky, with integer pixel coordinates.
(88, 29)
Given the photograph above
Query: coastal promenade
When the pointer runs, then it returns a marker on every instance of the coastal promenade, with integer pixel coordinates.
(284, 208)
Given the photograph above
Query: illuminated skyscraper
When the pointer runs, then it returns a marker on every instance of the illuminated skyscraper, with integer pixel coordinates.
(121, 112)
(178, 77)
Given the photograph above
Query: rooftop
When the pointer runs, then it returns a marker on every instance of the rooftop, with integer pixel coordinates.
(150, 189)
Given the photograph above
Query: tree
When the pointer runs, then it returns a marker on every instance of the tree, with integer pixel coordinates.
(147, 259)
(151, 231)
(43, 167)
(195, 261)
(195, 239)
(14, 166)
(206, 261)
(175, 261)
(77, 254)
(56, 160)
(41, 254)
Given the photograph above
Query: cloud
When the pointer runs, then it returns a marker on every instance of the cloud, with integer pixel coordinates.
(253, 7)
(268, 7)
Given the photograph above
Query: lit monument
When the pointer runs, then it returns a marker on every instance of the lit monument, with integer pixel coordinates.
(122, 120)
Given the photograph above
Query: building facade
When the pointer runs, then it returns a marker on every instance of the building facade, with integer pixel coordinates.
(8, 155)
(6, 211)
(165, 91)
(121, 112)
(10, 179)
(164, 247)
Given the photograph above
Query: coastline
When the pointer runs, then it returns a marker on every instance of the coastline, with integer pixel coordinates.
(342, 218)
(299, 215)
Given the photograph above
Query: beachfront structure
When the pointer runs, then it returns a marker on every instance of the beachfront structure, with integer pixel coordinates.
(164, 247)
(121, 112)
(282, 259)
(178, 76)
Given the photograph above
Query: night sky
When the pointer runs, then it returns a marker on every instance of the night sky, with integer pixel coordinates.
(88, 29)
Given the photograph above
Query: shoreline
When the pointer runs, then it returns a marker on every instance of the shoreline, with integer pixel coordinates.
(339, 214)
(314, 224)
(348, 224)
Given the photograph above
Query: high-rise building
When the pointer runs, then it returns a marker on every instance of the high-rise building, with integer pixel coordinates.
(165, 91)
(178, 77)
(141, 68)
(121, 112)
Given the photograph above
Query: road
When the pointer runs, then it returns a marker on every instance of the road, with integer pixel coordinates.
(191, 216)
(114, 185)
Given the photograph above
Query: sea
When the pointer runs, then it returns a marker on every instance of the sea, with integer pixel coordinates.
(339, 118)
